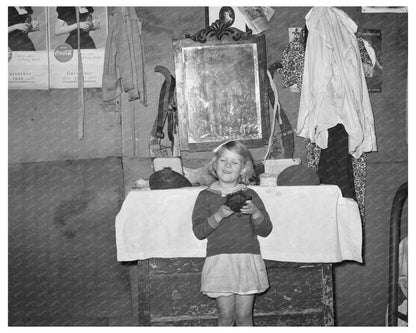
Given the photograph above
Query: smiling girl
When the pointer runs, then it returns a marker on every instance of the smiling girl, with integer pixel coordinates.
(234, 271)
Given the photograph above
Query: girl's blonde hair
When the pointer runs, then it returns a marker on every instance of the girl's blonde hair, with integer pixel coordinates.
(240, 149)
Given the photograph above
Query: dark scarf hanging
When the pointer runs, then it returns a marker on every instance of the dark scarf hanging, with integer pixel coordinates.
(335, 163)
(359, 171)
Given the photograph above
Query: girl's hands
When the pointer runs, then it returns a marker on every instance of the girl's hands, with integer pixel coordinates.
(222, 213)
(251, 209)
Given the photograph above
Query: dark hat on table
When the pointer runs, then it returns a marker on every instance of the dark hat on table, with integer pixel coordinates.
(298, 175)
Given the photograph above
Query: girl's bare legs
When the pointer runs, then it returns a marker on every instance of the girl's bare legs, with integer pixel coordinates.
(226, 306)
(238, 308)
(244, 310)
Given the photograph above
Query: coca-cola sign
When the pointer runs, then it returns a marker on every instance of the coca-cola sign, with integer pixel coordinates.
(64, 52)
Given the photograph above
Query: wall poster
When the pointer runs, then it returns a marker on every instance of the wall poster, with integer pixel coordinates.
(373, 69)
(27, 48)
(63, 46)
(239, 20)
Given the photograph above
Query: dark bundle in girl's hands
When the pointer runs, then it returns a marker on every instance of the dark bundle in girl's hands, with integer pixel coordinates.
(237, 200)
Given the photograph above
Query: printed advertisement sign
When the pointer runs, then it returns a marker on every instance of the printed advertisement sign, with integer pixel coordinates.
(63, 46)
(27, 48)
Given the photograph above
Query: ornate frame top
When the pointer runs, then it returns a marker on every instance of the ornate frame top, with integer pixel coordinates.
(220, 28)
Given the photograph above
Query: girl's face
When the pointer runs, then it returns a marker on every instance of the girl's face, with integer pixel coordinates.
(229, 167)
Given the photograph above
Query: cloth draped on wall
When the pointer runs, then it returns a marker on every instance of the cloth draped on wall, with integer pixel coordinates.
(340, 97)
(292, 64)
(124, 56)
(334, 90)
(292, 72)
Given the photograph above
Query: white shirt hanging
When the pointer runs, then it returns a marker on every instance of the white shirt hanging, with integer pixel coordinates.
(334, 89)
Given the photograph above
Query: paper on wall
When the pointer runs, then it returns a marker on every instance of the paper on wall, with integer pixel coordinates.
(257, 18)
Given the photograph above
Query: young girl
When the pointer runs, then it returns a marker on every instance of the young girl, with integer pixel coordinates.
(234, 270)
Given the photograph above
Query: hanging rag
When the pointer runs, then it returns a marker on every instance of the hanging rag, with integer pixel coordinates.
(291, 70)
(124, 57)
(292, 64)
(359, 165)
(334, 90)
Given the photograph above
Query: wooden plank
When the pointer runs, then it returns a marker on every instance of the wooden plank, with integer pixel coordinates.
(144, 291)
(328, 295)
(134, 288)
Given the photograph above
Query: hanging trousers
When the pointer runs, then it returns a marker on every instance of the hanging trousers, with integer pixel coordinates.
(335, 163)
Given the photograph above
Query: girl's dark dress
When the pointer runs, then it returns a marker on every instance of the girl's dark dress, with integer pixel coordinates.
(68, 15)
(19, 40)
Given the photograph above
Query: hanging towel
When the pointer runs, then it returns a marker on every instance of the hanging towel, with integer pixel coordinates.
(124, 57)
(334, 89)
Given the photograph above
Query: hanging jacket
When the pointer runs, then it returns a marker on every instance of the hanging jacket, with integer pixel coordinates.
(334, 89)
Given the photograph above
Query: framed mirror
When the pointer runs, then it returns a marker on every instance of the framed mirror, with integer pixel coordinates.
(221, 88)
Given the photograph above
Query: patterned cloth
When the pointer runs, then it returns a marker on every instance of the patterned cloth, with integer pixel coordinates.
(365, 58)
(292, 64)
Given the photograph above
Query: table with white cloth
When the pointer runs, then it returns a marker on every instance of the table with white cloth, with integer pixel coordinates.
(313, 227)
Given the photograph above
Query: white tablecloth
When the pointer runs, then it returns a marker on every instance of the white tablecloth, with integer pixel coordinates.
(310, 224)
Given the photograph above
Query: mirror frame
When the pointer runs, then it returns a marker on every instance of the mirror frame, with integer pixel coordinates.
(215, 43)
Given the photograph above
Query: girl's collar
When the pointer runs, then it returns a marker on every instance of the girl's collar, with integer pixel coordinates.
(216, 187)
